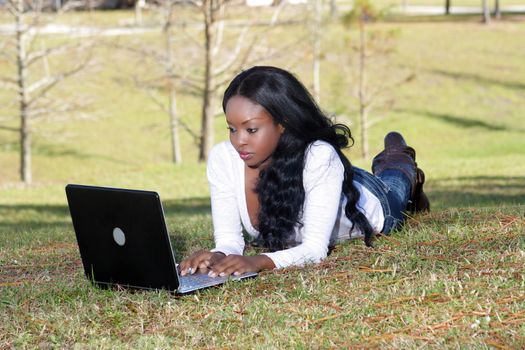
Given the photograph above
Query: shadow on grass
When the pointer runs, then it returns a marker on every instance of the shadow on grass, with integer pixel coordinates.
(478, 79)
(462, 122)
(190, 206)
(19, 223)
(60, 150)
(32, 217)
(477, 191)
(59, 214)
(444, 193)
(184, 217)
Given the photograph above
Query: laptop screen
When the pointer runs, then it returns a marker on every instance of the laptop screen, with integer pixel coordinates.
(122, 237)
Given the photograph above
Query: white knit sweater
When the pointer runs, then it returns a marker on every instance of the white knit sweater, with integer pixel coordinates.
(323, 218)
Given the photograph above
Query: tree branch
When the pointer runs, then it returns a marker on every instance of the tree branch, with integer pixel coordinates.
(193, 134)
(7, 128)
(156, 99)
(219, 34)
(8, 84)
(156, 55)
(5, 53)
(191, 37)
(36, 55)
(12, 8)
(220, 70)
(46, 84)
(149, 91)
(277, 13)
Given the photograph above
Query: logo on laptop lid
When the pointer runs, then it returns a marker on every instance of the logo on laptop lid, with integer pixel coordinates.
(119, 236)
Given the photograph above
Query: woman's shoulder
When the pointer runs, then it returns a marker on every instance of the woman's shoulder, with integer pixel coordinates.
(321, 151)
(321, 156)
(321, 163)
(221, 152)
(222, 163)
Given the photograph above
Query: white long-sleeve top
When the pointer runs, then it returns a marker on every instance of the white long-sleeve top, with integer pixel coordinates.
(323, 217)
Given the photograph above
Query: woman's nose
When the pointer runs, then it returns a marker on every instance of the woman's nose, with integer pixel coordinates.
(240, 138)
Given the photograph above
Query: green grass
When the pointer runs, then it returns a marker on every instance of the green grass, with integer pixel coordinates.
(450, 279)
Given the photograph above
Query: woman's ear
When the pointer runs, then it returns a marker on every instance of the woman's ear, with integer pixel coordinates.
(281, 128)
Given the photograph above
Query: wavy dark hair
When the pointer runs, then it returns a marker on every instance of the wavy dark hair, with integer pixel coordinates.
(280, 184)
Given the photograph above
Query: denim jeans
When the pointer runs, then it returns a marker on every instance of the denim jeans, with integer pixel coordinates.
(392, 187)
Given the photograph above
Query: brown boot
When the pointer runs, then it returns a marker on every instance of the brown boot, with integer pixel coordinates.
(398, 155)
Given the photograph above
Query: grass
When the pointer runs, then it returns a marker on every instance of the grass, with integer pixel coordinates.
(453, 278)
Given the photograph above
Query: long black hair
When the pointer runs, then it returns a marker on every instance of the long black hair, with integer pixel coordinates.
(280, 184)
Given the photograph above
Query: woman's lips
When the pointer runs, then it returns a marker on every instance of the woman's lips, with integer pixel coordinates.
(245, 155)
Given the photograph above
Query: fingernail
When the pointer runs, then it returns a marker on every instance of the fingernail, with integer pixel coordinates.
(212, 274)
(236, 273)
(222, 274)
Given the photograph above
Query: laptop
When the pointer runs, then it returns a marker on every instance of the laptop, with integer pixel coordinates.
(123, 241)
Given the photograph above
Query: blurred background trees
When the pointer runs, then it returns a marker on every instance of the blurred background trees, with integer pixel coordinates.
(182, 52)
(40, 67)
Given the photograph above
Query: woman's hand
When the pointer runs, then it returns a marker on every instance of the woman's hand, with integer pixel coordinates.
(238, 264)
(201, 260)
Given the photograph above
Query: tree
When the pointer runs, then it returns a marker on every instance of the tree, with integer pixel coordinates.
(333, 8)
(220, 61)
(497, 9)
(32, 85)
(164, 82)
(447, 7)
(316, 16)
(198, 67)
(486, 11)
(371, 47)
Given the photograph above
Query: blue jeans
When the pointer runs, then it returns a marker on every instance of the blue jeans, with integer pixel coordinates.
(392, 187)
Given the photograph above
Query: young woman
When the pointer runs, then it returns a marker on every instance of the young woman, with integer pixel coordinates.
(284, 179)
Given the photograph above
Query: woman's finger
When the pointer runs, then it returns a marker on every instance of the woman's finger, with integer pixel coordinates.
(228, 266)
(191, 264)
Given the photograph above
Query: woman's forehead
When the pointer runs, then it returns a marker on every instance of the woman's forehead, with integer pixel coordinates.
(241, 109)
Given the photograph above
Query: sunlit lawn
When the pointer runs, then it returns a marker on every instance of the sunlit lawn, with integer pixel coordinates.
(450, 279)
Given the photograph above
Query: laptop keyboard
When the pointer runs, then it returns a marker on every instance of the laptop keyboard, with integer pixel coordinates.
(197, 281)
(190, 283)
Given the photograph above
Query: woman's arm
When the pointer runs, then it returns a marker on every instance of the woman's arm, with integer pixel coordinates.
(227, 226)
(223, 179)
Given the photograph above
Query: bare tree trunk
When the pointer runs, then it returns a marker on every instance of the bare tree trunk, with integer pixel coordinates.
(139, 5)
(316, 41)
(25, 127)
(333, 8)
(497, 9)
(363, 111)
(172, 95)
(207, 103)
(486, 11)
(447, 7)
(33, 91)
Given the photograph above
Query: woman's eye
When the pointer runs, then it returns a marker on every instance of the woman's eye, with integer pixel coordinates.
(230, 129)
(251, 130)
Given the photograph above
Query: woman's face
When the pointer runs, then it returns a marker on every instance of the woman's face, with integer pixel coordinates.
(253, 132)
